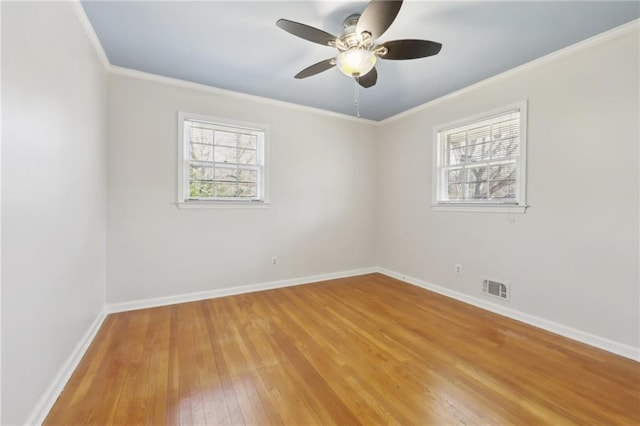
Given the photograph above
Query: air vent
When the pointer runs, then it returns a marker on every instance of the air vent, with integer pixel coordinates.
(495, 289)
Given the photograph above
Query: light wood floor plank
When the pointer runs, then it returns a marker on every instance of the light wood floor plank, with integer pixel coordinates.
(362, 350)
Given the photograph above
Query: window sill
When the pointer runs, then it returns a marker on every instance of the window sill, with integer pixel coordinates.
(481, 208)
(222, 205)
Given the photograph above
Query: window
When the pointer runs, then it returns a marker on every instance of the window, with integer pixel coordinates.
(480, 162)
(221, 162)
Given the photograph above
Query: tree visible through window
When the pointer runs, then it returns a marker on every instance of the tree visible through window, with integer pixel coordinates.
(481, 161)
(222, 161)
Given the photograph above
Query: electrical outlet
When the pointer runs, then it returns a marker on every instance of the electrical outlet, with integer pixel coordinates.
(274, 260)
(458, 269)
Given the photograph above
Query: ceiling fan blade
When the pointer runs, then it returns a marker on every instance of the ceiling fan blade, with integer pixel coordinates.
(317, 68)
(306, 32)
(378, 16)
(410, 49)
(369, 79)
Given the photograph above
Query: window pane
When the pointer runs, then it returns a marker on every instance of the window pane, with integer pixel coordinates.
(225, 174)
(200, 135)
(225, 189)
(504, 189)
(457, 156)
(195, 172)
(200, 173)
(478, 152)
(224, 155)
(199, 189)
(467, 191)
(503, 171)
(477, 174)
(247, 156)
(247, 176)
(247, 141)
(456, 176)
(456, 148)
(225, 138)
(233, 175)
(479, 134)
(455, 191)
(506, 148)
(201, 152)
(505, 129)
(247, 190)
(503, 181)
(457, 140)
(476, 191)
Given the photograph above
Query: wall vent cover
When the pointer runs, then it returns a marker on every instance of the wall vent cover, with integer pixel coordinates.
(496, 289)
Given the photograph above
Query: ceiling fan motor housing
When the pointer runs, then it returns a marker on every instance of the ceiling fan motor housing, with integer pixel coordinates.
(349, 37)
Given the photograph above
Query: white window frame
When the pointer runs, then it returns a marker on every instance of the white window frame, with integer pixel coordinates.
(485, 206)
(184, 202)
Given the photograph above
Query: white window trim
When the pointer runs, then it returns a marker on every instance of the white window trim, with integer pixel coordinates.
(483, 206)
(183, 179)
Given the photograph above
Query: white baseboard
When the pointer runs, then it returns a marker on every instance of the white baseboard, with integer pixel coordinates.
(581, 336)
(572, 333)
(49, 398)
(230, 291)
(40, 412)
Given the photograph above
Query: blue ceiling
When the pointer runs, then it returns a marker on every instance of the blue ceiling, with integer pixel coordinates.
(237, 46)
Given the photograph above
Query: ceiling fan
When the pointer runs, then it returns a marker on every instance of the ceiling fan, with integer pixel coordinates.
(356, 44)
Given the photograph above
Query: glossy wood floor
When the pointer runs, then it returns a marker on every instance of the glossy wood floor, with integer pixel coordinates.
(364, 350)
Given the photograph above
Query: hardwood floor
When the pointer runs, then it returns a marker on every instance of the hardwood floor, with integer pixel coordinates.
(363, 350)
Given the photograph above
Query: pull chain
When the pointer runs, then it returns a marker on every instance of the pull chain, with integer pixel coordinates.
(356, 100)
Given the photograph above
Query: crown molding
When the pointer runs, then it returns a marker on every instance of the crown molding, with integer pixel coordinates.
(113, 69)
(558, 54)
(553, 56)
(90, 32)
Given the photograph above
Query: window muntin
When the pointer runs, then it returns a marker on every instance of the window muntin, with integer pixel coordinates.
(481, 161)
(221, 160)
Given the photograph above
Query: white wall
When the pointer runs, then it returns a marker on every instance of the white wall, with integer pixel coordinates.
(336, 195)
(53, 197)
(573, 257)
(322, 193)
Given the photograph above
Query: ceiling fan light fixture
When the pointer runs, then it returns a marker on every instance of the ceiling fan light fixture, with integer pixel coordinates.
(356, 62)
(357, 44)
